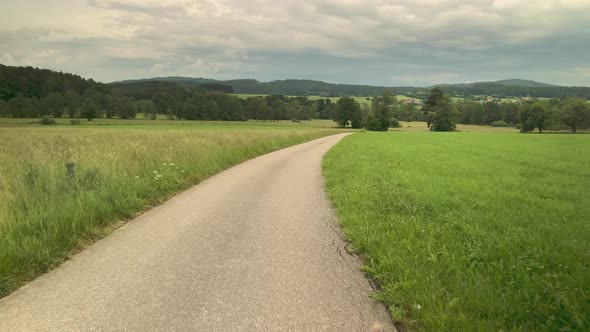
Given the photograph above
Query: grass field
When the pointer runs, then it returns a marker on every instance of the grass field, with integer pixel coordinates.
(419, 126)
(163, 123)
(470, 231)
(121, 169)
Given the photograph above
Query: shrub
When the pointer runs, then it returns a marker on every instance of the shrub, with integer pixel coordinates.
(395, 123)
(47, 121)
(517, 126)
(499, 123)
(374, 124)
(75, 121)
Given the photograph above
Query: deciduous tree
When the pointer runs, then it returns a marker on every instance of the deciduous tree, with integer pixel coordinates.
(575, 113)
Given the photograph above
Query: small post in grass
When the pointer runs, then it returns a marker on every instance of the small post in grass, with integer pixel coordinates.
(71, 167)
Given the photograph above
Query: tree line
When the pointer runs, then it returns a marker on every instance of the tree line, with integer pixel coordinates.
(441, 114)
(534, 114)
(197, 105)
(27, 92)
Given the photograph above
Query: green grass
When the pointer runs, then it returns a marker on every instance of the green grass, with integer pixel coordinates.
(121, 169)
(470, 231)
(161, 123)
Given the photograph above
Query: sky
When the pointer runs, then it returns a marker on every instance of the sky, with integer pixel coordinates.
(375, 42)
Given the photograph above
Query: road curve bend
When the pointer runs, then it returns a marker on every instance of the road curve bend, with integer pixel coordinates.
(254, 248)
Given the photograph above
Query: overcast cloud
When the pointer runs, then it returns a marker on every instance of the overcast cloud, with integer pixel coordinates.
(379, 42)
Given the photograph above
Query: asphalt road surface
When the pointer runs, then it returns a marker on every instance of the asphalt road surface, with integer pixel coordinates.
(254, 248)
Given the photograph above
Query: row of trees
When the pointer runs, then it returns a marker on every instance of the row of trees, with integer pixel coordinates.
(198, 105)
(386, 112)
(441, 114)
(553, 114)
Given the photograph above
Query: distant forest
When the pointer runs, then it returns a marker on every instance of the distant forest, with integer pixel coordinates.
(27, 92)
(499, 89)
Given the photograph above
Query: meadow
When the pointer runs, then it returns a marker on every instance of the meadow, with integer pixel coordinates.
(122, 167)
(470, 231)
(420, 126)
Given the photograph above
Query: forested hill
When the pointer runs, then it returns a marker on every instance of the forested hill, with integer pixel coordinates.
(502, 88)
(283, 87)
(504, 83)
(33, 82)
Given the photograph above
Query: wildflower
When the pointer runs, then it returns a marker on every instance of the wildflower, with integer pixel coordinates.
(417, 307)
(171, 164)
(136, 177)
(164, 164)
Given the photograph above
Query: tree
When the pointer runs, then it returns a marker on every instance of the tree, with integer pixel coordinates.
(55, 104)
(439, 113)
(431, 105)
(509, 112)
(3, 111)
(21, 107)
(407, 112)
(211, 110)
(72, 101)
(165, 103)
(348, 110)
(256, 108)
(278, 108)
(147, 107)
(492, 112)
(533, 115)
(109, 106)
(124, 108)
(469, 112)
(89, 109)
(382, 112)
(575, 113)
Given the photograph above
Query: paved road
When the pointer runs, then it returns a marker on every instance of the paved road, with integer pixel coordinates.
(254, 248)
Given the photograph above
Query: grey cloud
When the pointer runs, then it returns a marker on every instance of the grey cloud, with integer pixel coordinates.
(353, 41)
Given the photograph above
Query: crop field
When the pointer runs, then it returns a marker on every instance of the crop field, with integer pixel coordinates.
(470, 231)
(121, 168)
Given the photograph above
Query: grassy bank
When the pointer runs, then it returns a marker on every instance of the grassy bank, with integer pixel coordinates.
(120, 170)
(470, 231)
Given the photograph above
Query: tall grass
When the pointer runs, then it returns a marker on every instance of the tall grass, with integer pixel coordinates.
(45, 214)
(470, 231)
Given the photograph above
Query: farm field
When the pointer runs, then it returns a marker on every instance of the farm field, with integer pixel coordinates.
(120, 170)
(471, 230)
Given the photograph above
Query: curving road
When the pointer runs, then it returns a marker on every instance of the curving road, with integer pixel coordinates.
(254, 248)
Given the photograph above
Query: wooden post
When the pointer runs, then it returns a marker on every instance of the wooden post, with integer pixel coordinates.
(71, 167)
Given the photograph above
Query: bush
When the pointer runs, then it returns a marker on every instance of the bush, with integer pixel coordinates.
(499, 123)
(47, 121)
(74, 121)
(395, 123)
(374, 124)
(517, 126)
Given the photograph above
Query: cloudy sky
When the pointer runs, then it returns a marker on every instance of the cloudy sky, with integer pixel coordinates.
(378, 42)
